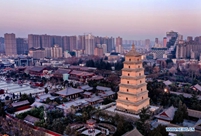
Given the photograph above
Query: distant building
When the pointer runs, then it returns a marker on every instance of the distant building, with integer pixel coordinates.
(73, 43)
(22, 46)
(34, 41)
(37, 53)
(89, 44)
(46, 41)
(81, 42)
(56, 52)
(189, 38)
(158, 52)
(119, 49)
(10, 44)
(147, 44)
(48, 52)
(156, 41)
(98, 52)
(164, 42)
(2, 45)
(119, 42)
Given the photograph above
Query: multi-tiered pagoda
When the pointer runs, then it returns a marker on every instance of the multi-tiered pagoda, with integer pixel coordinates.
(133, 94)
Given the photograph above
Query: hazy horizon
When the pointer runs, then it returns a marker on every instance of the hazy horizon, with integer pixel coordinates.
(132, 20)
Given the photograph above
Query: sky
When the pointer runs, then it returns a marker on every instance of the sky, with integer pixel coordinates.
(130, 19)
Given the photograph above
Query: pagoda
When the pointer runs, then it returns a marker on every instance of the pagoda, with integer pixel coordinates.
(133, 94)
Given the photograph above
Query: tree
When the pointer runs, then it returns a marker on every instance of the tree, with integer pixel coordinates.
(181, 113)
(159, 131)
(46, 90)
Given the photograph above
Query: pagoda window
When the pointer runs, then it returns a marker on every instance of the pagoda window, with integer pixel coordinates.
(128, 74)
(138, 59)
(139, 74)
(126, 98)
(129, 66)
(129, 59)
(142, 97)
(141, 89)
(138, 66)
(127, 90)
(127, 82)
(140, 81)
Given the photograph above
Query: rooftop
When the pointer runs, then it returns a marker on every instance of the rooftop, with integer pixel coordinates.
(21, 103)
(69, 91)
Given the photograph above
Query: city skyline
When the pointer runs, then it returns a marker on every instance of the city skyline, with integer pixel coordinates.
(127, 19)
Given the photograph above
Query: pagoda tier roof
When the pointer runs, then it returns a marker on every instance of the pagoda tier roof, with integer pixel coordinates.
(133, 69)
(135, 95)
(132, 86)
(133, 52)
(132, 103)
(132, 77)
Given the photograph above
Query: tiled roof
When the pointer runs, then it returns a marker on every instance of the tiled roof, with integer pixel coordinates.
(31, 119)
(167, 114)
(198, 87)
(37, 68)
(102, 88)
(69, 91)
(20, 103)
(62, 71)
(167, 82)
(133, 132)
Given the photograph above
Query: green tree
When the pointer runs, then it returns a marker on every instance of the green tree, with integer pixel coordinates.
(159, 131)
(46, 90)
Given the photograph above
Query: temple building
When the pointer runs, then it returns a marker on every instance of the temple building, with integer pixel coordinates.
(133, 94)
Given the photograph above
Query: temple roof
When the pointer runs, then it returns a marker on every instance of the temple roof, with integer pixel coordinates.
(133, 52)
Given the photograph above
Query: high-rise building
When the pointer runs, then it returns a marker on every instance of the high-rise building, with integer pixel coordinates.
(104, 46)
(110, 44)
(73, 42)
(57, 40)
(66, 43)
(22, 46)
(10, 44)
(156, 40)
(48, 52)
(119, 49)
(37, 53)
(98, 52)
(189, 38)
(118, 42)
(46, 41)
(133, 94)
(2, 47)
(81, 42)
(89, 44)
(147, 44)
(34, 41)
(164, 42)
(56, 52)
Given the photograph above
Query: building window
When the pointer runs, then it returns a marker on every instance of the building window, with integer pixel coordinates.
(141, 89)
(129, 66)
(127, 90)
(126, 98)
(140, 81)
(138, 66)
(139, 74)
(142, 97)
(127, 82)
(128, 74)
(138, 59)
(129, 59)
